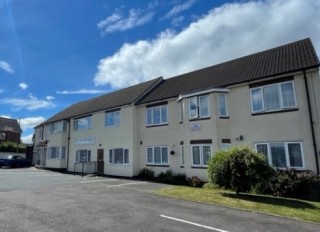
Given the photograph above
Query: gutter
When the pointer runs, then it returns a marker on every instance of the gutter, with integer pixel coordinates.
(311, 122)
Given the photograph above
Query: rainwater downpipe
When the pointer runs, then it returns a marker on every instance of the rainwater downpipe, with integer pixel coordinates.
(311, 121)
(69, 126)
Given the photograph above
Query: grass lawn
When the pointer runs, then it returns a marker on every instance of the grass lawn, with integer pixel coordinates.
(292, 208)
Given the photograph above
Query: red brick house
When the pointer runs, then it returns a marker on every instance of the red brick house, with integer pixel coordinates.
(10, 130)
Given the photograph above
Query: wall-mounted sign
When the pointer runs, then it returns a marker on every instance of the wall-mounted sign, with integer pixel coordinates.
(85, 141)
(195, 126)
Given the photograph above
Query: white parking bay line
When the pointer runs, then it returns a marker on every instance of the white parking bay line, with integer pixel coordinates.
(192, 223)
(125, 184)
(94, 181)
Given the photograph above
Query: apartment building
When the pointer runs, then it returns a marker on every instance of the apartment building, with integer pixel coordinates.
(268, 100)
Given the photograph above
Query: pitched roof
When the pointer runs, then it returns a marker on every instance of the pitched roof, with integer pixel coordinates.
(107, 101)
(288, 58)
(8, 124)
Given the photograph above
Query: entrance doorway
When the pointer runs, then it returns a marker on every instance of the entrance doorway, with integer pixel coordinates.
(100, 162)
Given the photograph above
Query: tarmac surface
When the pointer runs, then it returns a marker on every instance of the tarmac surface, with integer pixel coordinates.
(40, 200)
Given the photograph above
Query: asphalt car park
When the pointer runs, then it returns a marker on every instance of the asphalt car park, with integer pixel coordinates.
(40, 200)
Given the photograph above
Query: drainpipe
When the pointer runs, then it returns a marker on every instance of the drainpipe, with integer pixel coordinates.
(69, 126)
(311, 121)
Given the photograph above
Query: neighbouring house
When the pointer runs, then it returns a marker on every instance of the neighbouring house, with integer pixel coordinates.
(268, 100)
(10, 130)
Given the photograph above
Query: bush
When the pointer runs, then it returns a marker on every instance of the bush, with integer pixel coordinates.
(169, 177)
(295, 184)
(239, 169)
(146, 174)
(194, 181)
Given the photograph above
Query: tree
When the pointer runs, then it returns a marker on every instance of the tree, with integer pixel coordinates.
(239, 169)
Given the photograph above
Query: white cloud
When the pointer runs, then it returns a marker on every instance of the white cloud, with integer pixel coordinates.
(23, 86)
(49, 98)
(225, 33)
(177, 9)
(118, 22)
(27, 139)
(81, 91)
(6, 66)
(1, 91)
(31, 122)
(30, 103)
(5, 116)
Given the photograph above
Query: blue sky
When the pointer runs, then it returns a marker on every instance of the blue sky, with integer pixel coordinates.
(54, 53)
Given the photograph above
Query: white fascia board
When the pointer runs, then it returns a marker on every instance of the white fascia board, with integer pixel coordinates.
(221, 90)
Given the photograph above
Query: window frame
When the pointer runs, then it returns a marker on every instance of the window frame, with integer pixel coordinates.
(182, 159)
(57, 127)
(152, 121)
(78, 155)
(202, 164)
(280, 98)
(225, 146)
(112, 156)
(225, 105)
(287, 155)
(112, 113)
(76, 123)
(153, 155)
(198, 107)
(61, 152)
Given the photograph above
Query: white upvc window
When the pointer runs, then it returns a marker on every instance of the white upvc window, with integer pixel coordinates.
(2, 135)
(157, 155)
(119, 156)
(199, 107)
(83, 156)
(112, 118)
(273, 97)
(225, 146)
(223, 109)
(57, 127)
(182, 155)
(82, 123)
(56, 152)
(282, 154)
(157, 115)
(201, 154)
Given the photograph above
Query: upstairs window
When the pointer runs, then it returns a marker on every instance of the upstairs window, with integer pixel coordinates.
(223, 111)
(274, 97)
(57, 127)
(112, 118)
(199, 107)
(157, 115)
(82, 123)
(282, 154)
(119, 156)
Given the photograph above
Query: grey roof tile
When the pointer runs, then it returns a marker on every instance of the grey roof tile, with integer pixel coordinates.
(280, 60)
(107, 101)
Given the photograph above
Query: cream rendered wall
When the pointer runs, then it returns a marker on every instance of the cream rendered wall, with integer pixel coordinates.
(273, 127)
(313, 80)
(106, 138)
(57, 140)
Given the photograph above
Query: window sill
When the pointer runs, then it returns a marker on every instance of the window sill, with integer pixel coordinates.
(199, 119)
(158, 165)
(119, 164)
(150, 126)
(275, 112)
(199, 167)
(115, 126)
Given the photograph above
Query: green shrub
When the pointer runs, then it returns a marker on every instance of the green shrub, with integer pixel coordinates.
(209, 186)
(146, 174)
(169, 177)
(295, 184)
(239, 169)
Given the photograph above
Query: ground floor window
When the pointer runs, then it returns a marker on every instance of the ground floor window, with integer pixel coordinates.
(83, 156)
(157, 155)
(56, 152)
(201, 154)
(119, 156)
(282, 154)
